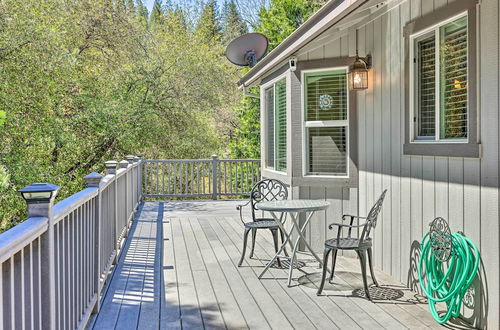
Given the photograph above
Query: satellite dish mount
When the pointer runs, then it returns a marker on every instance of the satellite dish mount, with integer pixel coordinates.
(250, 58)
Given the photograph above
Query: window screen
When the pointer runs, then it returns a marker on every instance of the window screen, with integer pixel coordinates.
(442, 116)
(453, 82)
(328, 150)
(327, 96)
(269, 99)
(275, 112)
(326, 107)
(280, 106)
(427, 90)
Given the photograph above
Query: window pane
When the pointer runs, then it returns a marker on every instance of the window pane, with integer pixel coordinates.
(269, 107)
(328, 150)
(326, 95)
(426, 87)
(453, 82)
(280, 106)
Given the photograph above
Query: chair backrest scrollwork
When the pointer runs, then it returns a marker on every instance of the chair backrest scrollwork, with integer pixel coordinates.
(371, 219)
(267, 190)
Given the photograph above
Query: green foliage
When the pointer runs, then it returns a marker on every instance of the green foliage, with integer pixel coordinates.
(246, 140)
(84, 81)
(141, 11)
(208, 26)
(156, 16)
(276, 22)
(284, 16)
(232, 22)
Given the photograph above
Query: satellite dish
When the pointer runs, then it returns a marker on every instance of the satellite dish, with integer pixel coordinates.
(247, 49)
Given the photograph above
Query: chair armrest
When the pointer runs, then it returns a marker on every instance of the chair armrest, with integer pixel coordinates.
(240, 208)
(352, 216)
(340, 225)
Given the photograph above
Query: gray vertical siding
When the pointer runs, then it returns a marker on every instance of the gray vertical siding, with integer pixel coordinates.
(463, 190)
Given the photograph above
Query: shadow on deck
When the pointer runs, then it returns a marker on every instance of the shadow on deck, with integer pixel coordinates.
(178, 270)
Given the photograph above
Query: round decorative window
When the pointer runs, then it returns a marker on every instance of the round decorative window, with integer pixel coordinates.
(325, 102)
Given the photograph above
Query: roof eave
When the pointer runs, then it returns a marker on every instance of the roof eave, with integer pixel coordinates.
(327, 16)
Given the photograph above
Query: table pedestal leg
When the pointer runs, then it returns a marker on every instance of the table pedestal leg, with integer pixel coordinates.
(287, 240)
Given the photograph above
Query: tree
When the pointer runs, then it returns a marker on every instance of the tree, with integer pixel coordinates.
(233, 24)
(284, 16)
(130, 6)
(156, 16)
(276, 22)
(245, 142)
(142, 11)
(208, 26)
(86, 82)
(177, 17)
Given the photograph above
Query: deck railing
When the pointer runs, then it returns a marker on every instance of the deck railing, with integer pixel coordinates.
(209, 178)
(54, 264)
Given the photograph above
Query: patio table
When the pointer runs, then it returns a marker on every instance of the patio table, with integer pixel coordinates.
(294, 208)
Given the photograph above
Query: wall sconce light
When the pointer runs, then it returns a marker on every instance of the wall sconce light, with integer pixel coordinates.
(358, 72)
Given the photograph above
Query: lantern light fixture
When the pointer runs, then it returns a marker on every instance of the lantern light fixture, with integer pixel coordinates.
(358, 72)
(39, 193)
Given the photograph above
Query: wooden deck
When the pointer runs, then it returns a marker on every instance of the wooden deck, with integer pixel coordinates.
(179, 271)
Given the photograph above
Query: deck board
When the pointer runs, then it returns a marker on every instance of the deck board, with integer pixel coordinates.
(178, 270)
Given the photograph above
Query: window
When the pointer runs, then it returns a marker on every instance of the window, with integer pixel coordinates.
(440, 82)
(326, 122)
(275, 110)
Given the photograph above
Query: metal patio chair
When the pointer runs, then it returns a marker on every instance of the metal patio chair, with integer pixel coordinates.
(360, 245)
(264, 190)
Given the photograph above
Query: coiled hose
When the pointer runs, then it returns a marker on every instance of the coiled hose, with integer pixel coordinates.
(447, 281)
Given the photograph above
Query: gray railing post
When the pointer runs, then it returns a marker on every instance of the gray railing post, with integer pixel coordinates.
(130, 173)
(124, 164)
(111, 170)
(139, 179)
(93, 179)
(215, 163)
(40, 199)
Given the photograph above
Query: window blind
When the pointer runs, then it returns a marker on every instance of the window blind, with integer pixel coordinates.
(427, 87)
(453, 81)
(280, 113)
(328, 150)
(269, 107)
(326, 100)
(326, 96)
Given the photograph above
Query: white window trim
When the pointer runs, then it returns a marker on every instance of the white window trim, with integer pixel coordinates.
(307, 124)
(263, 88)
(414, 139)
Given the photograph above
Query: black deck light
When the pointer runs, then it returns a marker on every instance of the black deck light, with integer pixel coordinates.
(358, 72)
(39, 193)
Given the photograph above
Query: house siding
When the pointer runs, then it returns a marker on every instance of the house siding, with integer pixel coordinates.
(465, 191)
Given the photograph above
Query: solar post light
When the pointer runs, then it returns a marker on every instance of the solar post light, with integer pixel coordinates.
(39, 193)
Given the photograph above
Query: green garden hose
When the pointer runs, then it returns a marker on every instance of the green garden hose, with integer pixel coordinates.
(447, 279)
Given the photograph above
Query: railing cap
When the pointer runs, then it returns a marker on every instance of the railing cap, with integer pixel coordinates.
(39, 187)
(111, 166)
(123, 164)
(93, 179)
(130, 158)
(215, 156)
